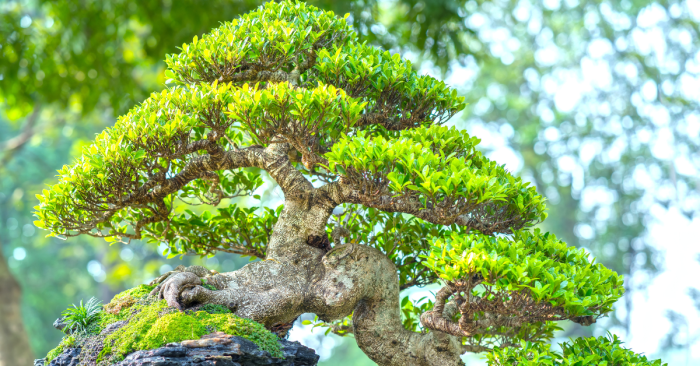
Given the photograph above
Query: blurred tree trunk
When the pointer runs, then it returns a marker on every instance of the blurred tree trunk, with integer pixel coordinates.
(14, 342)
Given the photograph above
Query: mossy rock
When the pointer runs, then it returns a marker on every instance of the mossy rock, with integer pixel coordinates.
(66, 342)
(134, 321)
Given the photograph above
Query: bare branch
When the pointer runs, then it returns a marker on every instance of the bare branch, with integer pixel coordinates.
(490, 313)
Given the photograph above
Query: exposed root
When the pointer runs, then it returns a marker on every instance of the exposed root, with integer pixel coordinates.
(170, 289)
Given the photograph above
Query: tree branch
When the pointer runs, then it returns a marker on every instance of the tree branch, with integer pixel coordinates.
(273, 159)
(473, 217)
(495, 310)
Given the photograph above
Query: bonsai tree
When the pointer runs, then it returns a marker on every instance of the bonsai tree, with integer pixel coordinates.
(379, 196)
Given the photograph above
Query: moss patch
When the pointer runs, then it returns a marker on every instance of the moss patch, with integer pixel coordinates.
(128, 338)
(117, 304)
(140, 291)
(246, 328)
(153, 324)
(118, 308)
(208, 286)
(66, 342)
(215, 309)
(174, 327)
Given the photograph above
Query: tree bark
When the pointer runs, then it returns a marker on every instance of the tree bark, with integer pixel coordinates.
(14, 342)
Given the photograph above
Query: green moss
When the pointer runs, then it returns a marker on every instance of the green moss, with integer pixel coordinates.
(246, 328)
(208, 286)
(174, 327)
(152, 324)
(215, 309)
(127, 338)
(66, 342)
(107, 318)
(138, 292)
(124, 304)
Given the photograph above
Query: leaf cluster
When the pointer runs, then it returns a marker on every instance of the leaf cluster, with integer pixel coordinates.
(275, 37)
(398, 98)
(532, 264)
(601, 351)
(311, 119)
(113, 183)
(487, 338)
(412, 310)
(341, 327)
(508, 336)
(231, 229)
(438, 168)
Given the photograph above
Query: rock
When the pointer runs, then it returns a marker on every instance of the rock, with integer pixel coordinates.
(112, 327)
(216, 349)
(59, 323)
(69, 357)
(201, 343)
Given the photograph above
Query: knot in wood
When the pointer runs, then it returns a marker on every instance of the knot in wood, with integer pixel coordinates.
(320, 242)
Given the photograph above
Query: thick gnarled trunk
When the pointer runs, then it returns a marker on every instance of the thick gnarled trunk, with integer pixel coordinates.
(350, 277)
(299, 278)
(14, 342)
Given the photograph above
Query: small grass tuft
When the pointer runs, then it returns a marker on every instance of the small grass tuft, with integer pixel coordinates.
(79, 318)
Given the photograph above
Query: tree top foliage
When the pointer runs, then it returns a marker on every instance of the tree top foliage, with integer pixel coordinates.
(290, 73)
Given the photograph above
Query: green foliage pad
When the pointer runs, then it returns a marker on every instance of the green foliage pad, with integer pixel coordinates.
(601, 351)
(533, 263)
(438, 168)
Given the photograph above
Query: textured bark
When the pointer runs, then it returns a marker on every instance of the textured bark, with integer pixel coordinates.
(14, 342)
(297, 278)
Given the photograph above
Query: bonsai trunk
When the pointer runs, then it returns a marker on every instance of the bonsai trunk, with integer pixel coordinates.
(297, 278)
(14, 342)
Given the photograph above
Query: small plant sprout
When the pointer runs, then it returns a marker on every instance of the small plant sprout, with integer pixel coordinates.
(78, 318)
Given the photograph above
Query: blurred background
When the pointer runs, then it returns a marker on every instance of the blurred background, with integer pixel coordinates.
(595, 102)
